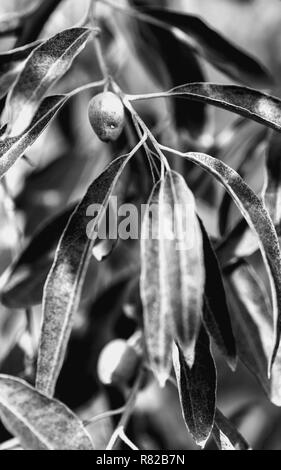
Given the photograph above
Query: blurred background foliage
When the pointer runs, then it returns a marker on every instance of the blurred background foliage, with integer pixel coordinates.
(64, 161)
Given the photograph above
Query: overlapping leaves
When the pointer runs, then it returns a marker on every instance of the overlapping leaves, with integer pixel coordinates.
(44, 67)
(172, 277)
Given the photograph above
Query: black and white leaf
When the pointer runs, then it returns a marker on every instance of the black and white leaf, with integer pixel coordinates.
(39, 422)
(172, 273)
(197, 389)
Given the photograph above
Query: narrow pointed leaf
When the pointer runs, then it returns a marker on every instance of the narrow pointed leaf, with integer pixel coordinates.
(12, 148)
(65, 281)
(44, 67)
(172, 277)
(11, 64)
(240, 242)
(272, 195)
(256, 214)
(197, 389)
(216, 314)
(37, 421)
(253, 326)
(246, 102)
(211, 45)
(226, 435)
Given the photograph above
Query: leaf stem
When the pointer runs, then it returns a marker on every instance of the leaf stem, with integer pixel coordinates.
(144, 127)
(92, 18)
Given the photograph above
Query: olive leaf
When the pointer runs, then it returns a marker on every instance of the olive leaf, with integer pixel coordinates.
(216, 314)
(209, 44)
(240, 242)
(226, 435)
(253, 326)
(245, 164)
(12, 148)
(11, 64)
(37, 421)
(272, 194)
(244, 101)
(44, 67)
(197, 389)
(172, 273)
(65, 281)
(256, 214)
(22, 283)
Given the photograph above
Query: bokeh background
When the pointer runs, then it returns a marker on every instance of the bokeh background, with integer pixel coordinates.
(55, 174)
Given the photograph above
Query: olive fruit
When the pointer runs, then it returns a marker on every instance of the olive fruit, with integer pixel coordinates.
(119, 361)
(107, 116)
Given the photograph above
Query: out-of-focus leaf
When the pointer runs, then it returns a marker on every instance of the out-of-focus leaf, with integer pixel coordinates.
(246, 102)
(213, 47)
(272, 195)
(216, 314)
(226, 435)
(181, 66)
(241, 242)
(22, 283)
(254, 211)
(64, 284)
(44, 67)
(12, 22)
(48, 189)
(251, 317)
(197, 389)
(253, 326)
(172, 273)
(11, 64)
(12, 148)
(39, 422)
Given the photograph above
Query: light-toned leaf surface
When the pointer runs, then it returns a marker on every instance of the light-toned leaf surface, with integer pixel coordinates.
(37, 421)
(226, 435)
(213, 46)
(252, 320)
(12, 148)
(172, 273)
(241, 242)
(197, 389)
(11, 64)
(44, 67)
(246, 102)
(253, 326)
(216, 314)
(65, 281)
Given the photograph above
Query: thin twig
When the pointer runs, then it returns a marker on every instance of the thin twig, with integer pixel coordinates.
(105, 415)
(129, 408)
(124, 438)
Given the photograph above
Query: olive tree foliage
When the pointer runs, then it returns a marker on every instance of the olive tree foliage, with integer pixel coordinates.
(174, 306)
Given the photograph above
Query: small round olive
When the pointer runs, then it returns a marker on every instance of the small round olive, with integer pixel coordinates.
(107, 116)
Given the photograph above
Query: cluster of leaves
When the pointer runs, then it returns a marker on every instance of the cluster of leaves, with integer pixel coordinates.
(188, 298)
